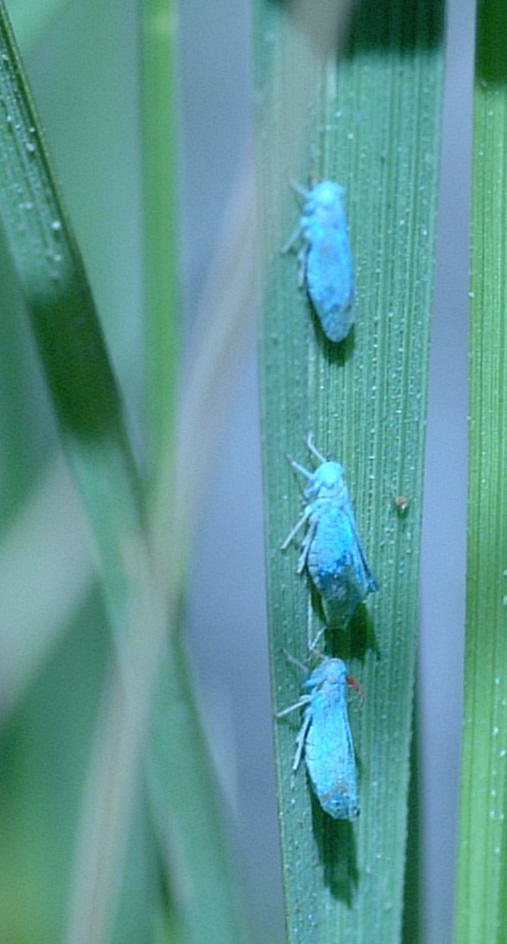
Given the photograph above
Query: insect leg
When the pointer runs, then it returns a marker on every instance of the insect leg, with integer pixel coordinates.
(313, 449)
(301, 260)
(295, 530)
(301, 738)
(295, 661)
(299, 704)
(305, 548)
(292, 241)
(299, 189)
(300, 468)
(313, 642)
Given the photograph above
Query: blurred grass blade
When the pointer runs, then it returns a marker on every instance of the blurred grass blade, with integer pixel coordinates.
(371, 122)
(31, 19)
(482, 901)
(180, 774)
(160, 228)
(181, 782)
(59, 580)
(66, 328)
(188, 817)
(89, 411)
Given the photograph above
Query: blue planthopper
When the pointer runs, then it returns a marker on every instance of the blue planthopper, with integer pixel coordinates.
(332, 549)
(326, 740)
(324, 261)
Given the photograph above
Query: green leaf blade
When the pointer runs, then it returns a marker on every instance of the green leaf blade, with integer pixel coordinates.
(481, 911)
(374, 126)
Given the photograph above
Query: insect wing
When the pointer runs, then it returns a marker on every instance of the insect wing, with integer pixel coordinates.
(330, 556)
(337, 562)
(368, 578)
(329, 752)
(329, 273)
(330, 284)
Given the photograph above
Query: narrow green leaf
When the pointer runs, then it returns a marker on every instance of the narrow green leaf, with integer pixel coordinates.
(181, 781)
(371, 122)
(188, 817)
(482, 900)
(161, 225)
(65, 324)
(89, 411)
